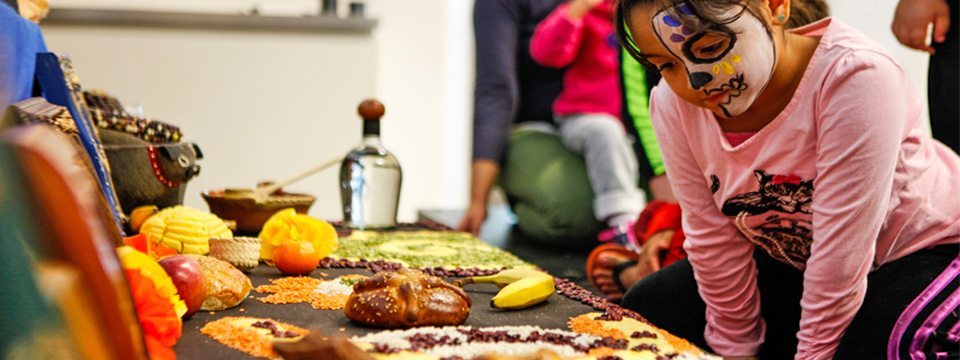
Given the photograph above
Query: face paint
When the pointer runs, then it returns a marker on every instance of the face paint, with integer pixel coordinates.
(738, 60)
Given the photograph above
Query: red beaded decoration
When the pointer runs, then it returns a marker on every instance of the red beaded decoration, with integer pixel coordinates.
(157, 170)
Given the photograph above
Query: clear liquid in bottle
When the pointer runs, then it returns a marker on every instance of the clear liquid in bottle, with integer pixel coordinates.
(370, 177)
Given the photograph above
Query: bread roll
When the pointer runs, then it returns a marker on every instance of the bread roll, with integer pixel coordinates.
(226, 286)
(406, 298)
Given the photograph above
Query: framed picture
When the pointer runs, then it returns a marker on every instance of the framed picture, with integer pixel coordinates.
(60, 85)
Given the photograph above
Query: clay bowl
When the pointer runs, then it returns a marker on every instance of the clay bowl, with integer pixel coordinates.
(250, 214)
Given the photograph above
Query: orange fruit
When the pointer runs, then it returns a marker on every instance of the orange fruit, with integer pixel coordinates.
(296, 257)
(286, 225)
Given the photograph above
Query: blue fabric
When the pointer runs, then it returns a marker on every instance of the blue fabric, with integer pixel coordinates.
(20, 41)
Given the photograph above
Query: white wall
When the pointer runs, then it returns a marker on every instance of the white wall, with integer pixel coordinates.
(261, 105)
(265, 105)
(425, 65)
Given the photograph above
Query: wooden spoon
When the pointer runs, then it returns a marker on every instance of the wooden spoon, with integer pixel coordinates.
(262, 193)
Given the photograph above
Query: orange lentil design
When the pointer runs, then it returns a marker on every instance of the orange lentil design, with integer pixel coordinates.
(585, 325)
(601, 352)
(235, 332)
(300, 289)
(680, 344)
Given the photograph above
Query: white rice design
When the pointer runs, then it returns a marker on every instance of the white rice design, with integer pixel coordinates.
(334, 287)
(397, 339)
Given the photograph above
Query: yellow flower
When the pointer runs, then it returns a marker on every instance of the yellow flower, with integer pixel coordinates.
(286, 225)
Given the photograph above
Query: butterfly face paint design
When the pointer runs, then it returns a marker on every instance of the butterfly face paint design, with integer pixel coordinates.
(734, 63)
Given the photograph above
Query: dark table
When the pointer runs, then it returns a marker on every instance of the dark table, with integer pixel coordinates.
(499, 230)
(193, 345)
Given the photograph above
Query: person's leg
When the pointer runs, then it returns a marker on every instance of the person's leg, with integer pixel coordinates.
(781, 287)
(901, 296)
(943, 85)
(611, 165)
(670, 300)
(548, 189)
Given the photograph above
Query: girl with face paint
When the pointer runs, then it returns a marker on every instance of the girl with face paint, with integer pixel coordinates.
(822, 221)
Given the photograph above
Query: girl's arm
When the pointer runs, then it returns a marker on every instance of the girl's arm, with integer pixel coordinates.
(557, 39)
(722, 259)
(866, 108)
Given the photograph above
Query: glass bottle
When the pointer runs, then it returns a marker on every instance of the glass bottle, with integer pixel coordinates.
(370, 177)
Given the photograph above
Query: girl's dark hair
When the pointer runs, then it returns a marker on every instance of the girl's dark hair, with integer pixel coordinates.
(806, 11)
(712, 15)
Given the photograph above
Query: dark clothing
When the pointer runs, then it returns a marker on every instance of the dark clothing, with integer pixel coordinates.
(942, 84)
(669, 299)
(510, 86)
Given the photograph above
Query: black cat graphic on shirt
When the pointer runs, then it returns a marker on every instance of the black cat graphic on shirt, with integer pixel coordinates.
(786, 231)
(783, 193)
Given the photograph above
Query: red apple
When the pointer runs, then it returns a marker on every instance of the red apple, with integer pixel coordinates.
(189, 280)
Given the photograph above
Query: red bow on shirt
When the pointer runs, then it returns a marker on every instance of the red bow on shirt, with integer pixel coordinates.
(791, 179)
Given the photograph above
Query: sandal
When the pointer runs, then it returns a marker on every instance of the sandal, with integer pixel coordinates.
(593, 265)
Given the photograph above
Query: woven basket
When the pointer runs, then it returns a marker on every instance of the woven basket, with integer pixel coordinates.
(242, 252)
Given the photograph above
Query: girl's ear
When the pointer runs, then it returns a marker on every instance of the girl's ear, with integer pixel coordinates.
(779, 11)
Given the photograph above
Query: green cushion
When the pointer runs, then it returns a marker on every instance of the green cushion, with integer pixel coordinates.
(549, 191)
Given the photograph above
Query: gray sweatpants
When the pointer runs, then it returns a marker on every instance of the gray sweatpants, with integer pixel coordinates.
(611, 163)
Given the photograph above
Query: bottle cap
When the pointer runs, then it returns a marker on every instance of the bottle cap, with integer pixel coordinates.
(371, 111)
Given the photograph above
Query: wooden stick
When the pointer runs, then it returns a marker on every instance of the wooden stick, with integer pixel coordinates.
(264, 192)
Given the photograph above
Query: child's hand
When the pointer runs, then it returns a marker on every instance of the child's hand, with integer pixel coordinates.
(912, 18)
(579, 8)
(649, 260)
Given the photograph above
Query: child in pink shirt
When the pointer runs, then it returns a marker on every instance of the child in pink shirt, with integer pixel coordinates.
(579, 36)
(822, 221)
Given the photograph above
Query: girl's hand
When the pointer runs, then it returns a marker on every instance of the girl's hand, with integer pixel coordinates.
(579, 8)
(912, 18)
(649, 260)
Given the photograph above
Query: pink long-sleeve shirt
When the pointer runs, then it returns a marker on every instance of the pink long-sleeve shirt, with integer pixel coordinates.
(588, 49)
(842, 181)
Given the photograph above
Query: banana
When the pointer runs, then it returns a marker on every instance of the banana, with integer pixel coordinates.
(501, 279)
(524, 293)
(519, 288)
